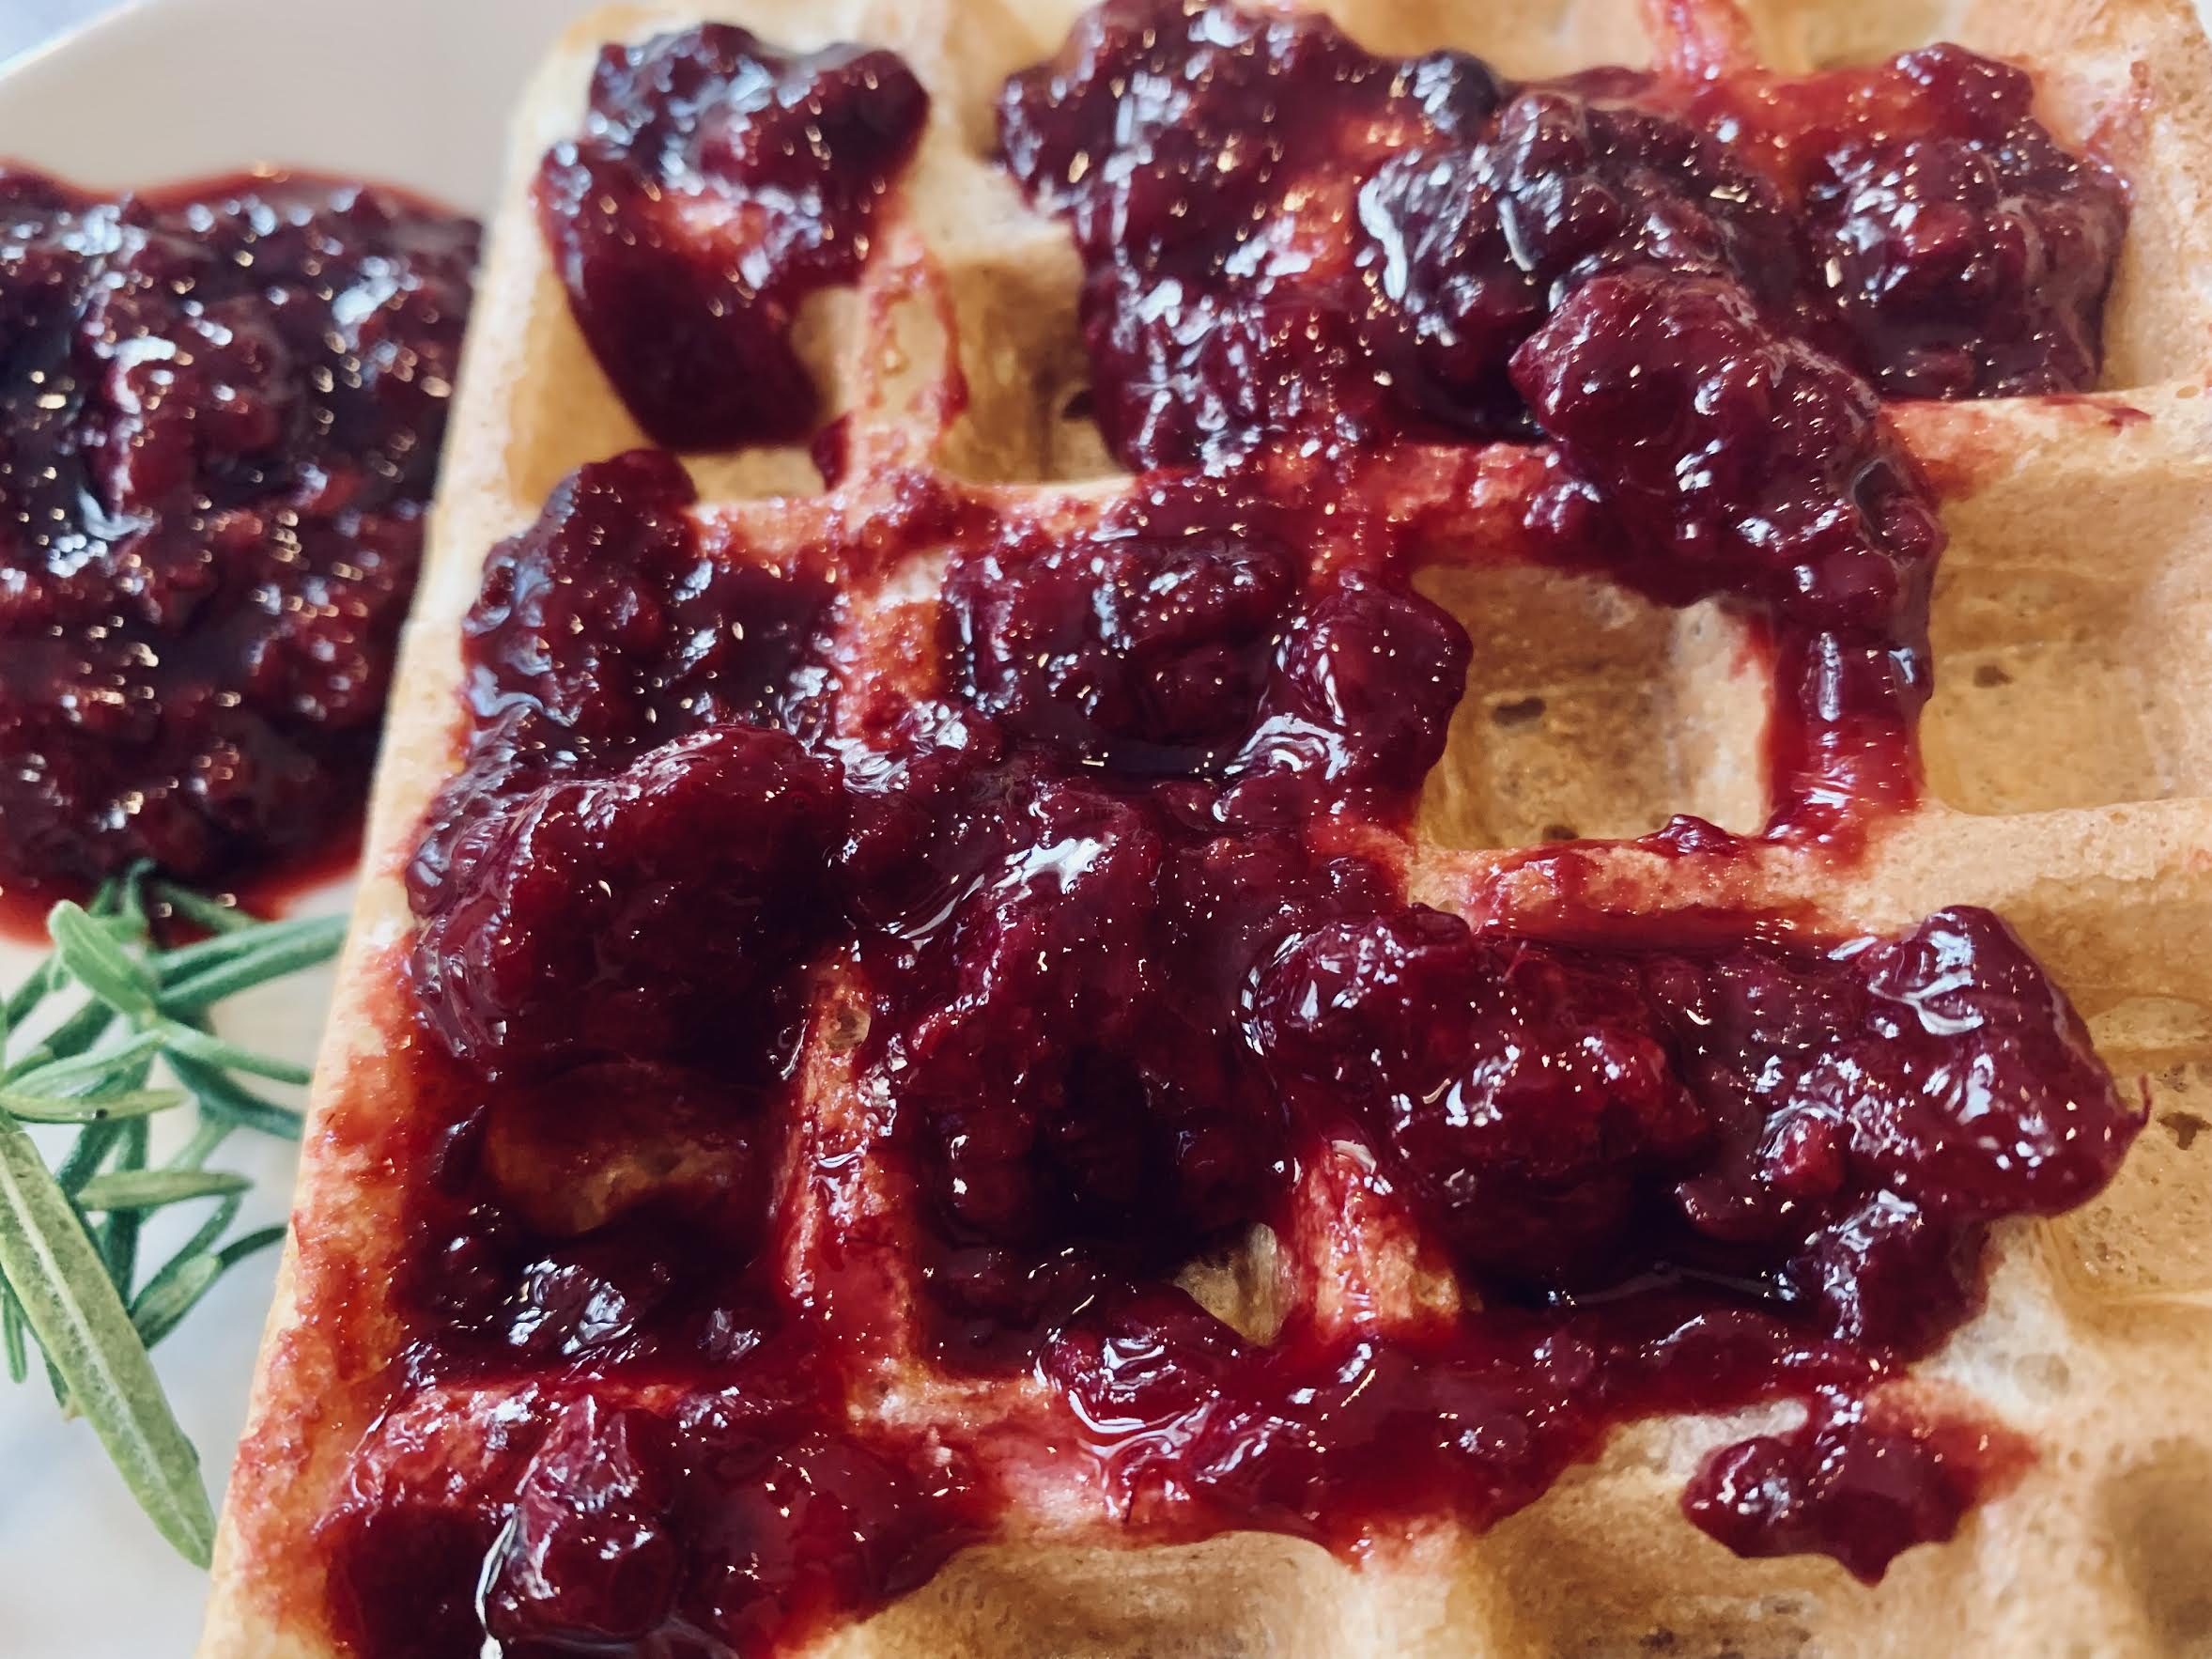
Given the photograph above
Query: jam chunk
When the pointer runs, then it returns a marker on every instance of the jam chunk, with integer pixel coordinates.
(1470, 246)
(1965, 252)
(1216, 310)
(736, 1522)
(632, 816)
(1833, 1124)
(1703, 454)
(1526, 1096)
(1733, 460)
(1057, 1017)
(629, 914)
(716, 185)
(1854, 1481)
(1148, 656)
(1358, 708)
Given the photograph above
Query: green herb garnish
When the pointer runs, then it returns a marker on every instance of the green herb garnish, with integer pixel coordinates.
(81, 1039)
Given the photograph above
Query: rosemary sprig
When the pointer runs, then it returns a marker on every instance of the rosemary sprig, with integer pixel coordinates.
(82, 1038)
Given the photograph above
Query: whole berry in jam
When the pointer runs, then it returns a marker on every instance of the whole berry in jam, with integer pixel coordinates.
(1147, 655)
(1054, 1053)
(1213, 309)
(647, 913)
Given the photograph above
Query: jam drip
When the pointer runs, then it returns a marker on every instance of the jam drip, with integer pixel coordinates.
(715, 186)
(220, 415)
(1701, 454)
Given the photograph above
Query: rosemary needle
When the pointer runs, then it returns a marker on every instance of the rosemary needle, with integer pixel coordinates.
(81, 1037)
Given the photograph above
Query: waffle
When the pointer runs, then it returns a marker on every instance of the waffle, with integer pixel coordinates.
(2068, 759)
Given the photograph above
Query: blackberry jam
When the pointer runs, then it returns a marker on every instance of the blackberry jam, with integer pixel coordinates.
(1372, 265)
(1103, 911)
(717, 184)
(220, 407)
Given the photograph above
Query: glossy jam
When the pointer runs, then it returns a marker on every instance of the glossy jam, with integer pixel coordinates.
(1098, 908)
(1699, 289)
(1674, 1179)
(1970, 254)
(220, 415)
(746, 1515)
(715, 186)
(622, 680)
(1129, 988)
(1372, 265)
(1701, 454)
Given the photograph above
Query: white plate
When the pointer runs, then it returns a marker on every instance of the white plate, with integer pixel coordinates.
(411, 92)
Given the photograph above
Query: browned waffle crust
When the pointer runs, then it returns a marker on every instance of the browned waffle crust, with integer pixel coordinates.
(2069, 761)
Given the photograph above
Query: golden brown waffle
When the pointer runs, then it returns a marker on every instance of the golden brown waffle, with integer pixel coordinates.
(2068, 753)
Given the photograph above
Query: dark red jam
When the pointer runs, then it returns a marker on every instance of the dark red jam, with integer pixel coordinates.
(1966, 253)
(1370, 264)
(728, 1520)
(838, 1043)
(716, 185)
(1699, 289)
(626, 685)
(1700, 455)
(220, 407)
(1116, 928)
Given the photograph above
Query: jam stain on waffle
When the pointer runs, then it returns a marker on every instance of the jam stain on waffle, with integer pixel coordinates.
(1104, 910)
(223, 405)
